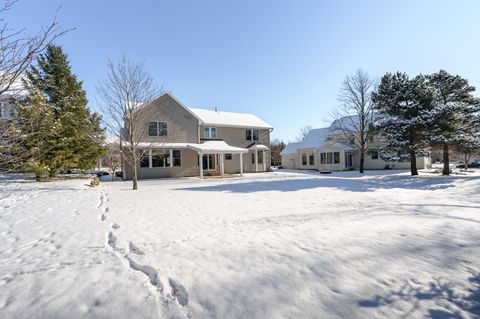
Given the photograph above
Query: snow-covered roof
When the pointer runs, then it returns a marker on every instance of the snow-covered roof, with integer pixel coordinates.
(232, 119)
(316, 138)
(206, 147)
(157, 145)
(259, 147)
(216, 147)
(16, 90)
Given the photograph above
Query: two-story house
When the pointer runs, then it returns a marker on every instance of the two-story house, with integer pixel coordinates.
(184, 141)
(325, 149)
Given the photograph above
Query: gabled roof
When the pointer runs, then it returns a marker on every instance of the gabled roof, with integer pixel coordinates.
(316, 138)
(229, 119)
(221, 118)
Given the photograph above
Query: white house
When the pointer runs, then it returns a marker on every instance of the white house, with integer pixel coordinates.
(323, 150)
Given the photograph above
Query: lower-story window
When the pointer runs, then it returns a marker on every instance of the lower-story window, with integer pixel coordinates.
(177, 158)
(260, 157)
(311, 159)
(144, 161)
(160, 158)
(228, 156)
(330, 158)
(304, 159)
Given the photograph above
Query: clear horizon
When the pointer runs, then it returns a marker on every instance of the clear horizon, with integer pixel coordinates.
(284, 62)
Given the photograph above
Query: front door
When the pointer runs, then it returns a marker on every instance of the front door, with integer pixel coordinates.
(209, 162)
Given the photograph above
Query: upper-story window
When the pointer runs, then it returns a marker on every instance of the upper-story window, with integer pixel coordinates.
(251, 135)
(210, 132)
(157, 129)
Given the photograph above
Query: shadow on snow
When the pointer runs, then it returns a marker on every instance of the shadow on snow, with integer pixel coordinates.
(351, 184)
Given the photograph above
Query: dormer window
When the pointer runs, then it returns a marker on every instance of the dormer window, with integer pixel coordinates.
(157, 129)
(210, 132)
(251, 135)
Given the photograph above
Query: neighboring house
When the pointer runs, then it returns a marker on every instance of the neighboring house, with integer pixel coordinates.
(16, 92)
(322, 149)
(184, 141)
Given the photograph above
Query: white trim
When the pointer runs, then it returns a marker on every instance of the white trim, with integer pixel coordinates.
(201, 164)
(241, 164)
(150, 159)
(237, 126)
(222, 163)
(264, 162)
(256, 160)
(171, 157)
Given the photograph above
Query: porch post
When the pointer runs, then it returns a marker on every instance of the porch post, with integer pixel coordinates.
(222, 163)
(264, 162)
(171, 158)
(241, 164)
(201, 164)
(256, 160)
(150, 161)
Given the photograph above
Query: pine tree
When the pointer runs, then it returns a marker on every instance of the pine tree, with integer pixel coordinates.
(78, 143)
(467, 140)
(452, 111)
(403, 107)
(30, 135)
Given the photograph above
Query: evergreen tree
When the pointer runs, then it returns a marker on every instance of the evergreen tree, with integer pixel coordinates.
(452, 112)
(30, 135)
(468, 140)
(78, 143)
(404, 107)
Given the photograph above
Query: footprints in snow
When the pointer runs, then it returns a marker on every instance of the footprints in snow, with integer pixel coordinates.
(170, 293)
(134, 249)
(177, 292)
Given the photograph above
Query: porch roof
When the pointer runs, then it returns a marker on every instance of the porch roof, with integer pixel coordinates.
(219, 147)
(259, 147)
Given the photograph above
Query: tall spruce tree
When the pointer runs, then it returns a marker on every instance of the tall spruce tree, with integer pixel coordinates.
(404, 107)
(78, 142)
(452, 112)
(30, 134)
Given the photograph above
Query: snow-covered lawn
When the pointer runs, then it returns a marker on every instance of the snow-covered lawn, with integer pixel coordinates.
(276, 245)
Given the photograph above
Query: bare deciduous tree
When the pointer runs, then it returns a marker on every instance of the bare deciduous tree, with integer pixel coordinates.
(303, 133)
(113, 159)
(18, 49)
(123, 98)
(276, 146)
(354, 116)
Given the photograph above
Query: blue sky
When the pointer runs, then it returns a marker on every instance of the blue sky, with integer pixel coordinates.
(282, 60)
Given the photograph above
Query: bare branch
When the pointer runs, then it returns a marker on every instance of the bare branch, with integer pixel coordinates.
(354, 115)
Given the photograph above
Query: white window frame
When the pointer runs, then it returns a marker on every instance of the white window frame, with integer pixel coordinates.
(158, 130)
(252, 135)
(212, 132)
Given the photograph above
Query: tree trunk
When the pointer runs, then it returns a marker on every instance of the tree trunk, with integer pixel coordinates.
(413, 163)
(465, 158)
(38, 177)
(446, 160)
(134, 167)
(362, 161)
(113, 175)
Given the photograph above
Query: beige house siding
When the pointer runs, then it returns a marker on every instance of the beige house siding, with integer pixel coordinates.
(289, 161)
(307, 152)
(181, 124)
(189, 167)
(236, 136)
